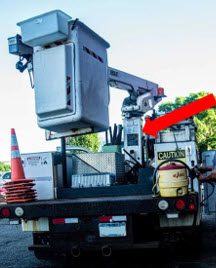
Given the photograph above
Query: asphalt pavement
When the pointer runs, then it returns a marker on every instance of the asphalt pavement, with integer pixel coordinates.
(14, 253)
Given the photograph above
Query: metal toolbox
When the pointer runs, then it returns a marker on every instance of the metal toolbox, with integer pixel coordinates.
(91, 180)
(46, 170)
(112, 163)
(184, 131)
(44, 29)
(40, 167)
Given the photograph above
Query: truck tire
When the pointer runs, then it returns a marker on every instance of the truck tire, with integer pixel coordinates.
(41, 255)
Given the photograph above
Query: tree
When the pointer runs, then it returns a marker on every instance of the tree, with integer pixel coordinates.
(205, 121)
(4, 167)
(89, 141)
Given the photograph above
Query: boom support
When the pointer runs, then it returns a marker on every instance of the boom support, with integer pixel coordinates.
(143, 96)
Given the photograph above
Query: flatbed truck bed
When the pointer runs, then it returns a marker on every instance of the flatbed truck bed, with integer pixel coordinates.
(117, 205)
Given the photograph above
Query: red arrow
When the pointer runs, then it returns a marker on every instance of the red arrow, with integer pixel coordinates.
(151, 127)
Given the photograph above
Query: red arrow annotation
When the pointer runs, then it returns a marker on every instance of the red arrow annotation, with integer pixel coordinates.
(151, 127)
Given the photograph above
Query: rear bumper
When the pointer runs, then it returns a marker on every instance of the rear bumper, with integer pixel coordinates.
(96, 247)
(119, 205)
(85, 206)
(61, 243)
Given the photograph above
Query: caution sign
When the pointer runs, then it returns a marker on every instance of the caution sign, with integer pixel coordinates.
(171, 155)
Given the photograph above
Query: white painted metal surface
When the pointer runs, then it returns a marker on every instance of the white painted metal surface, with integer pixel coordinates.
(52, 68)
(44, 29)
(40, 225)
(40, 167)
(91, 180)
(71, 82)
(133, 138)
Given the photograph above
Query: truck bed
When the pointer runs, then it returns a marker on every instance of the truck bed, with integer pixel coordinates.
(85, 206)
(97, 206)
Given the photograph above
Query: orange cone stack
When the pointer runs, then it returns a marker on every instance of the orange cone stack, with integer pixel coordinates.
(19, 189)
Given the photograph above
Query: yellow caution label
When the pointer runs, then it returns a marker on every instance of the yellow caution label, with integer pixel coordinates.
(171, 155)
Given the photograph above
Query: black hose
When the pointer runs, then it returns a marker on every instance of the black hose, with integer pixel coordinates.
(64, 162)
(133, 158)
(209, 195)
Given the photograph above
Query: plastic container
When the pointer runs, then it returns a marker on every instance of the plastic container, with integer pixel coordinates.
(45, 29)
(173, 180)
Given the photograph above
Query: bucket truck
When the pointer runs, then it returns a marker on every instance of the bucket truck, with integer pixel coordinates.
(110, 200)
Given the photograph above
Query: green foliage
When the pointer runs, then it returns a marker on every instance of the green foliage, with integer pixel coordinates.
(4, 167)
(205, 121)
(89, 141)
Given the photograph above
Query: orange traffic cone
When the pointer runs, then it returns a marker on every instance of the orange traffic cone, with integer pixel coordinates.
(19, 189)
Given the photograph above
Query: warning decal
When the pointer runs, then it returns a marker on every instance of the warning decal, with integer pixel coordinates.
(33, 160)
(171, 155)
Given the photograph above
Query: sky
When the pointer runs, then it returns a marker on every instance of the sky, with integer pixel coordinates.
(170, 42)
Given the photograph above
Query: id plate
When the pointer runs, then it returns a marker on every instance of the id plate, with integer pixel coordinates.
(117, 229)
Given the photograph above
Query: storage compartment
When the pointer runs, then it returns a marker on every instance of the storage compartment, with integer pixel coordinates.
(45, 29)
(40, 167)
(92, 163)
(92, 180)
(46, 170)
(183, 131)
(53, 73)
(71, 83)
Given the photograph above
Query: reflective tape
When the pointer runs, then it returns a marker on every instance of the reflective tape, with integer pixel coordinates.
(65, 220)
(15, 154)
(14, 140)
(119, 218)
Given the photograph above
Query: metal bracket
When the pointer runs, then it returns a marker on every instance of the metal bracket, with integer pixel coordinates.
(131, 83)
(51, 135)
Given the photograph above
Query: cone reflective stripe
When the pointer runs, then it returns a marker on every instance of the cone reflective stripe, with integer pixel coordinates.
(19, 189)
(17, 172)
(15, 154)
(14, 145)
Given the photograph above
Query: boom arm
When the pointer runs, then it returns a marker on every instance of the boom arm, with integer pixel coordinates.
(131, 83)
(144, 94)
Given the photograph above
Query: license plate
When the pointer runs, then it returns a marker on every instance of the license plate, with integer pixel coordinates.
(14, 222)
(117, 229)
(172, 215)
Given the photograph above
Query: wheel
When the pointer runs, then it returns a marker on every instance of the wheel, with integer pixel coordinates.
(41, 255)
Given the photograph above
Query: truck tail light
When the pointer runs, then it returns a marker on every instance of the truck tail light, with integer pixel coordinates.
(5, 212)
(58, 221)
(192, 207)
(64, 220)
(105, 219)
(180, 204)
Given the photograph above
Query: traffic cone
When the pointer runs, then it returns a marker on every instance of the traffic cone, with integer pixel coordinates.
(19, 189)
